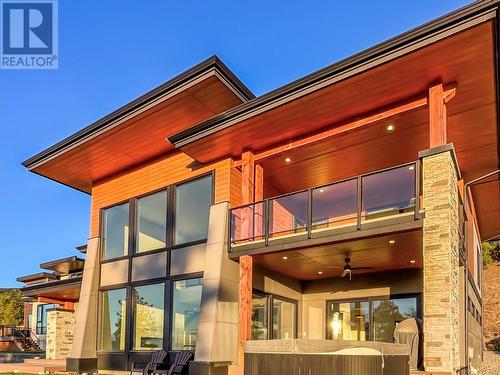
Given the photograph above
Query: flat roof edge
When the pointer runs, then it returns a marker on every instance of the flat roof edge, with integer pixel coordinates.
(441, 24)
(212, 62)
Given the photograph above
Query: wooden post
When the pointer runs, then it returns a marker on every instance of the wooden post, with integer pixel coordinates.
(245, 296)
(247, 193)
(437, 116)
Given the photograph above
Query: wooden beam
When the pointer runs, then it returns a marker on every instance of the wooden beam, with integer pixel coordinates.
(245, 304)
(247, 177)
(437, 116)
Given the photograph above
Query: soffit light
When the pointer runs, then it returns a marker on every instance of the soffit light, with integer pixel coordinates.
(320, 272)
(284, 257)
(413, 261)
(392, 242)
(288, 160)
(390, 128)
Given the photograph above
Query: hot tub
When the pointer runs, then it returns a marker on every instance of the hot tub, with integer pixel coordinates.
(325, 357)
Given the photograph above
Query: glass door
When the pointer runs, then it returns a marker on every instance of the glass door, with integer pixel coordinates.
(349, 320)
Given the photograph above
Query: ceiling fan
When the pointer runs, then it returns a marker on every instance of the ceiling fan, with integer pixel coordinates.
(348, 269)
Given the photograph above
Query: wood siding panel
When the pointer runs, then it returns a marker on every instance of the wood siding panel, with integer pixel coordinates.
(159, 173)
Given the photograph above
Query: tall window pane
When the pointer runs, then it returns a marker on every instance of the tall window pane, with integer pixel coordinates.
(186, 313)
(349, 321)
(115, 231)
(259, 317)
(113, 320)
(41, 317)
(192, 206)
(148, 308)
(387, 314)
(151, 222)
(284, 316)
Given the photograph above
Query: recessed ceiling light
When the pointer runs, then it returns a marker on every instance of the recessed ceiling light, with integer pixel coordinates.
(320, 272)
(413, 261)
(321, 190)
(411, 167)
(288, 160)
(284, 257)
(390, 127)
(392, 242)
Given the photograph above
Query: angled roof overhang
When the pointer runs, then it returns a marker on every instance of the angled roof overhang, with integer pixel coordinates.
(136, 132)
(64, 265)
(459, 49)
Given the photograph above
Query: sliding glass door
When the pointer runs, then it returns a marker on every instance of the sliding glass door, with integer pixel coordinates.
(273, 317)
(369, 319)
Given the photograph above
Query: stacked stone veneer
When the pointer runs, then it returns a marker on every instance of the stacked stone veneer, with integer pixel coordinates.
(441, 263)
(60, 327)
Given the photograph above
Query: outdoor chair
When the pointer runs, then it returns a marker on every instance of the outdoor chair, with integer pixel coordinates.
(179, 365)
(155, 364)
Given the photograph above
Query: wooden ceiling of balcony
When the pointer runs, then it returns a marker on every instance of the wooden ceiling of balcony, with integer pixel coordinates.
(140, 138)
(375, 252)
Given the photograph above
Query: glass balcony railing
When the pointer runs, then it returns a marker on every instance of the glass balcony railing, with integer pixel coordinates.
(348, 203)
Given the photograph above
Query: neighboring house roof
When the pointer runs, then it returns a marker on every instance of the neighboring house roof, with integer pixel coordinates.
(64, 265)
(37, 276)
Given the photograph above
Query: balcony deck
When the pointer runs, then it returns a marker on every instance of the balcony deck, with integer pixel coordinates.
(374, 204)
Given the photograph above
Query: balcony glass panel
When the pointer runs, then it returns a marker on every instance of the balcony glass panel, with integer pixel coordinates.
(247, 223)
(334, 205)
(388, 193)
(288, 214)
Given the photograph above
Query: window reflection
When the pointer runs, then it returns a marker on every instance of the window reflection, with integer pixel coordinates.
(284, 319)
(387, 314)
(113, 320)
(115, 231)
(148, 316)
(192, 208)
(185, 313)
(349, 321)
(151, 222)
(259, 317)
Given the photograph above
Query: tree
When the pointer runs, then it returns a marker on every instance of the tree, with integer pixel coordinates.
(491, 253)
(11, 307)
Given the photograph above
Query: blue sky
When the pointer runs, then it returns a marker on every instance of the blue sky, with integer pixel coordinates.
(112, 51)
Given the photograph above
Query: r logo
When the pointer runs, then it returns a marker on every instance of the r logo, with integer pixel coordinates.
(27, 28)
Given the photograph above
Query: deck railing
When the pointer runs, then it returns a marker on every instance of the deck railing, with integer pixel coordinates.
(347, 203)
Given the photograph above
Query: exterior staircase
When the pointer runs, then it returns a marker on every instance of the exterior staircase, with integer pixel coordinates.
(23, 337)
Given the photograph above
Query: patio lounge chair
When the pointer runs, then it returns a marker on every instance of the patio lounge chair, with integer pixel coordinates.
(179, 365)
(156, 363)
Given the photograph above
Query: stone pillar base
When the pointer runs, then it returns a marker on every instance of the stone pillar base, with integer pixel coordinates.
(208, 368)
(80, 365)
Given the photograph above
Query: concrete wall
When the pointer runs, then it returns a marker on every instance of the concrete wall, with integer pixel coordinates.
(60, 327)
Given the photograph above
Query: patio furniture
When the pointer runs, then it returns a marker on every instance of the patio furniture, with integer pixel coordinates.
(179, 365)
(409, 332)
(154, 365)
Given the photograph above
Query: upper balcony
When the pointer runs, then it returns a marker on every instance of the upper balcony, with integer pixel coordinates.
(376, 203)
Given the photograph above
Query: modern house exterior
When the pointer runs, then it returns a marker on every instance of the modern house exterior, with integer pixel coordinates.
(331, 208)
(51, 302)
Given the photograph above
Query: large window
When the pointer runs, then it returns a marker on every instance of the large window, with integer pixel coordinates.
(192, 207)
(41, 317)
(115, 231)
(151, 222)
(148, 305)
(158, 220)
(279, 312)
(369, 319)
(185, 313)
(113, 320)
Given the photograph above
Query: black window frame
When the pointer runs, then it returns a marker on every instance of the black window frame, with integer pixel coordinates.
(370, 300)
(170, 222)
(270, 304)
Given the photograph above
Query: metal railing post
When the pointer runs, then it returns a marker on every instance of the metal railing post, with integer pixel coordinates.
(229, 229)
(417, 189)
(309, 212)
(266, 222)
(359, 197)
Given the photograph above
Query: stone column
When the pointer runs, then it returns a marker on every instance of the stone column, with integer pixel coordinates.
(441, 260)
(60, 326)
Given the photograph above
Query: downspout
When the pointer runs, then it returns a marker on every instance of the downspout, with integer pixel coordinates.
(466, 268)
